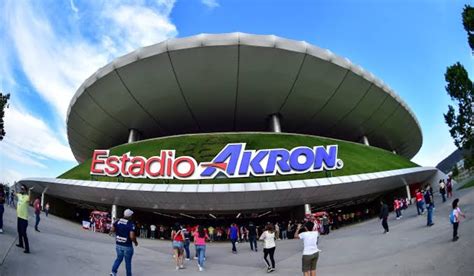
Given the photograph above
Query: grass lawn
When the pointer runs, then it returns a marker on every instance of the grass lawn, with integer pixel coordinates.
(357, 158)
(467, 185)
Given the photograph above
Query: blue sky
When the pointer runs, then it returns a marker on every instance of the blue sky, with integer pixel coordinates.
(48, 48)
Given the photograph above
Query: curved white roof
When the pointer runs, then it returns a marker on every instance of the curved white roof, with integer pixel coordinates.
(234, 82)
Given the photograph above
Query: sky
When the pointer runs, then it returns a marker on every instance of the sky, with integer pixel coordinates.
(48, 48)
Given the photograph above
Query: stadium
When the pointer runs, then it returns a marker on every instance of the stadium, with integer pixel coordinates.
(236, 124)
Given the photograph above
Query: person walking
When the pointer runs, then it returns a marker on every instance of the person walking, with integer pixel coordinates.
(233, 235)
(283, 228)
(37, 206)
(177, 237)
(253, 233)
(268, 237)
(454, 217)
(200, 238)
(187, 242)
(442, 189)
(125, 234)
(384, 216)
(419, 202)
(310, 248)
(23, 199)
(152, 231)
(46, 209)
(428, 197)
(2, 208)
(449, 187)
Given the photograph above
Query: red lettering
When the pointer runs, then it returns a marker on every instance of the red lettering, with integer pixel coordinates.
(150, 162)
(96, 160)
(138, 162)
(112, 168)
(180, 160)
(124, 160)
(169, 163)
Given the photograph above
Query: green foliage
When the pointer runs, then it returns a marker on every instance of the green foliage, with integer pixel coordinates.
(3, 103)
(460, 119)
(467, 185)
(203, 147)
(468, 23)
(455, 171)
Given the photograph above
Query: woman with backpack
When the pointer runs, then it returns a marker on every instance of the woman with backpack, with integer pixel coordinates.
(454, 217)
(177, 237)
(268, 238)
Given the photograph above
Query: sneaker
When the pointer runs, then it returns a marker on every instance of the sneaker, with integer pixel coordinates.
(21, 246)
(201, 268)
(1, 231)
(195, 257)
(113, 274)
(271, 270)
(26, 251)
(181, 266)
(177, 267)
(187, 259)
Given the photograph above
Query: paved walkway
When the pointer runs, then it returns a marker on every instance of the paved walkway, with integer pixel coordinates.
(411, 248)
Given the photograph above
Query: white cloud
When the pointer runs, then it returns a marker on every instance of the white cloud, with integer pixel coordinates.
(56, 64)
(10, 176)
(56, 53)
(140, 25)
(210, 3)
(29, 138)
(73, 6)
(431, 158)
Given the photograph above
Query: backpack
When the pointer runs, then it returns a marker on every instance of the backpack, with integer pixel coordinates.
(452, 217)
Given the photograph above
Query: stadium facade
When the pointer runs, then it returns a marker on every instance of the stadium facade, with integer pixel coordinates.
(211, 86)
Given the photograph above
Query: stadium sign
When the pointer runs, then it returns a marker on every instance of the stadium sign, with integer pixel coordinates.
(233, 161)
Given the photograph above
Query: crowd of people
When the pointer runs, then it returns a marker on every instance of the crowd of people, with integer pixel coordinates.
(425, 201)
(182, 236)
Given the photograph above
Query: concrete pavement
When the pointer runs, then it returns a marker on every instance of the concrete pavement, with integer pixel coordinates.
(411, 248)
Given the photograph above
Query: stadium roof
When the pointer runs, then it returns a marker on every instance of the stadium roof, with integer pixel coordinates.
(234, 82)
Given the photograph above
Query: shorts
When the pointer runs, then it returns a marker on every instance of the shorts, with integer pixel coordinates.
(310, 261)
(178, 245)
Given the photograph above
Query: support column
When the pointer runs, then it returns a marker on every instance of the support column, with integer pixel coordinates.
(307, 209)
(133, 136)
(364, 140)
(42, 197)
(114, 213)
(408, 192)
(275, 123)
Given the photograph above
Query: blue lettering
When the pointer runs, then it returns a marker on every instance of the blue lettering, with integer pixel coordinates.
(284, 155)
(232, 153)
(308, 156)
(326, 156)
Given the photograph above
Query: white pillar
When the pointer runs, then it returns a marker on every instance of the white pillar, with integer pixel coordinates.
(307, 209)
(365, 140)
(408, 192)
(133, 136)
(275, 123)
(114, 213)
(42, 197)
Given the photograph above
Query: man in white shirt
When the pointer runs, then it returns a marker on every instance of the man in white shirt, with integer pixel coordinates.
(153, 230)
(310, 249)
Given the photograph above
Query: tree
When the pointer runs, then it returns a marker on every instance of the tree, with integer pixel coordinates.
(460, 88)
(468, 23)
(3, 103)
